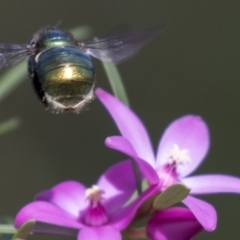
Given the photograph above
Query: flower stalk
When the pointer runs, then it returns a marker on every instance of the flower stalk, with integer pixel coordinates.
(119, 91)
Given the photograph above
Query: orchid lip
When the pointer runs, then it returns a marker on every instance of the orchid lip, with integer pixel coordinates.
(168, 173)
(95, 214)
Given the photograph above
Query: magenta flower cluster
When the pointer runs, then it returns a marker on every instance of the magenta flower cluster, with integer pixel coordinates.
(108, 211)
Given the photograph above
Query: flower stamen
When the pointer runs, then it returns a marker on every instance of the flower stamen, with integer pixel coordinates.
(178, 156)
(168, 173)
(94, 195)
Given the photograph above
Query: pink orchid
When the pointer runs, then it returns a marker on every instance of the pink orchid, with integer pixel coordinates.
(100, 212)
(169, 224)
(181, 149)
(174, 224)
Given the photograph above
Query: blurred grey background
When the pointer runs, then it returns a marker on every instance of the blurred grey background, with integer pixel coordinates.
(192, 68)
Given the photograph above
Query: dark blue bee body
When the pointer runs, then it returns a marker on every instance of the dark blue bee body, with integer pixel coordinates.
(62, 74)
(60, 66)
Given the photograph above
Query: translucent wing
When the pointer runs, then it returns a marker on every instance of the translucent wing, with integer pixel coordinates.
(121, 46)
(11, 54)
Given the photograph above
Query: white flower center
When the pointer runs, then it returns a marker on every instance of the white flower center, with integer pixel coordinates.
(178, 156)
(94, 195)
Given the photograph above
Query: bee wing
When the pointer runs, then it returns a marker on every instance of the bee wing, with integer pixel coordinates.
(11, 54)
(121, 46)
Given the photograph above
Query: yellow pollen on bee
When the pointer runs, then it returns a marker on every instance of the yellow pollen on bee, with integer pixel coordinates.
(178, 156)
(94, 195)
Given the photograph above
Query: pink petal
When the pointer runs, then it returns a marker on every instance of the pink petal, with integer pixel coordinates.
(99, 233)
(69, 195)
(118, 184)
(173, 224)
(48, 213)
(46, 228)
(129, 125)
(123, 145)
(215, 183)
(203, 211)
(124, 216)
(188, 132)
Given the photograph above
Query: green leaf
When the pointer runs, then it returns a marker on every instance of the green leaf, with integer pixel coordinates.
(24, 230)
(116, 82)
(81, 32)
(12, 78)
(172, 195)
(9, 125)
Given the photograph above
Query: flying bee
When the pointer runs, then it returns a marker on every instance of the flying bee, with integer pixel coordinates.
(60, 65)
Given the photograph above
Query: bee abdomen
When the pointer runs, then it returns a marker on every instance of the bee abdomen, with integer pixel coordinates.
(65, 73)
(63, 64)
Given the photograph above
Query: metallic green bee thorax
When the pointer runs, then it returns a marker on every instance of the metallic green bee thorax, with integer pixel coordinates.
(54, 38)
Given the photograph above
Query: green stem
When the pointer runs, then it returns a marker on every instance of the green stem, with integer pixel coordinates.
(7, 229)
(119, 91)
(117, 87)
(82, 32)
(23, 232)
(12, 78)
(9, 125)
(116, 82)
(137, 175)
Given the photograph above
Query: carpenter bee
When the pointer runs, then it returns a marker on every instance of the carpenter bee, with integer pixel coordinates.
(60, 65)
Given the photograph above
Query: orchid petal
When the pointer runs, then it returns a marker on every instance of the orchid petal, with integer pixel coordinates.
(124, 216)
(214, 183)
(173, 224)
(46, 228)
(203, 211)
(123, 145)
(48, 213)
(118, 183)
(129, 125)
(99, 233)
(188, 133)
(69, 195)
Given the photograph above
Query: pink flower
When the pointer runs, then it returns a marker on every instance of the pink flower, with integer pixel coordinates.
(181, 149)
(173, 224)
(168, 224)
(99, 212)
